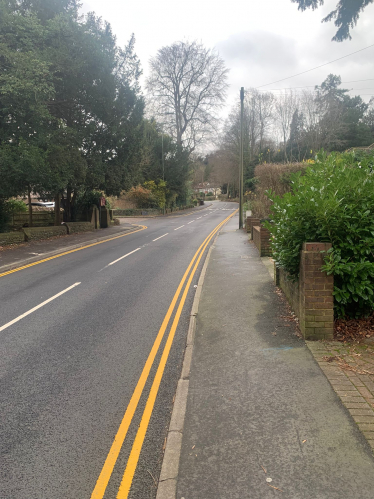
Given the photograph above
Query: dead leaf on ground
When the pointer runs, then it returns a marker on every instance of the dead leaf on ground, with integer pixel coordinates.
(343, 364)
(354, 329)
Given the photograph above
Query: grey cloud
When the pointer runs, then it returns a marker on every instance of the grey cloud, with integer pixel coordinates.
(259, 48)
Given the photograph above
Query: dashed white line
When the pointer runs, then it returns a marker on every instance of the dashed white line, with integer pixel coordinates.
(198, 218)
(157, 238)
(179, 227)
(191, 222)
(124, 256)
(38, 306)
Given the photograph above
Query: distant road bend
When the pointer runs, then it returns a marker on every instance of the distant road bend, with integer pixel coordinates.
(92, 345)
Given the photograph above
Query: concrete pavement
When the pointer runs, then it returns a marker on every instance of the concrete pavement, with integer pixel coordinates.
(261, 419)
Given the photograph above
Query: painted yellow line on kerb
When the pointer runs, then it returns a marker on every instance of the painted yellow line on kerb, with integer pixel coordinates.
(140, 436)
(71, 251)
(106, 472)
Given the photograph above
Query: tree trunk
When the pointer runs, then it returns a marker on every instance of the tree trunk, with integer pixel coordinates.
(30, 207)
(67, 209)
(57, 210)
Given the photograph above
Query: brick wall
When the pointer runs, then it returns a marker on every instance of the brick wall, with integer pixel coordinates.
(251, 222)
(316, 298)
(290, 289)
(311, 297)
(261, 239)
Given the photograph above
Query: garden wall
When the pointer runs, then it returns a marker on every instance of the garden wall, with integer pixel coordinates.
(311, 297)
(135, 212)
(37, 233)
(74, 227)
(261, 239)
(251, 222)
(11, 238)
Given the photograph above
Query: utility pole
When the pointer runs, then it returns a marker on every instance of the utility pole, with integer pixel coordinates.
(162, 156)
(163, 160)
(241, 159)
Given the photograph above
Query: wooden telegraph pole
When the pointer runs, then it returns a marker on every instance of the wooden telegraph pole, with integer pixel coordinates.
(241, 160)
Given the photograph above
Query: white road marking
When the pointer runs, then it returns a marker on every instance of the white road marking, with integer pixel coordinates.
(179, 227)
(38, 306)
(124, 256)
(191, 222)
(157, 238)
(198, 218)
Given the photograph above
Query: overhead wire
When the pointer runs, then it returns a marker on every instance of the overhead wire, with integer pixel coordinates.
(313, 86)
(317, 67)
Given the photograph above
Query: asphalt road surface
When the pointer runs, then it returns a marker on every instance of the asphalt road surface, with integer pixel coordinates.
(85, 393)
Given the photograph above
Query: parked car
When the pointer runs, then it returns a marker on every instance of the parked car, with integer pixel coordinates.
(46, 204)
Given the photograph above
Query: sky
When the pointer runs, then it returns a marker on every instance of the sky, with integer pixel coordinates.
(261, 41)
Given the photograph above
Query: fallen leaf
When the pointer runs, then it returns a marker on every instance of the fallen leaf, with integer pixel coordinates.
(193, 446)
(304, 441)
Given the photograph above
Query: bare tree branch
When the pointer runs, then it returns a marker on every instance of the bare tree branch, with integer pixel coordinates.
(186, 87)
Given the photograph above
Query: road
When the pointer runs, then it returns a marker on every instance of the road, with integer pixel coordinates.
(92, 346)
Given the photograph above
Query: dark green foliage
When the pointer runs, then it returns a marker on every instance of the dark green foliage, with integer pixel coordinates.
(346, 14)
(175, 167)
(332, 202)
(87, 199)
(7, 208)
(70, 103)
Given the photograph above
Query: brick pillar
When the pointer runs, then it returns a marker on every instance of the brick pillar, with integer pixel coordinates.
(316, 298)
(250, 221)
(265, 242)
(255, 222)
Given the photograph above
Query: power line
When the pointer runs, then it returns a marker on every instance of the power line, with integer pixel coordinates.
(317, 67)
(312, 86)
(298, 90)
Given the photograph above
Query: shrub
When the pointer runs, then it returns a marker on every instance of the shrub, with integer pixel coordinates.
(142, 197)
(87, 198)
(158, 192)
(7, 208)
(333, 202)
(274, 177)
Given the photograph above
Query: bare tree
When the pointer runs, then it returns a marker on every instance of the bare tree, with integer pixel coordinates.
(259, 112)
(285, 108)
(186, 87)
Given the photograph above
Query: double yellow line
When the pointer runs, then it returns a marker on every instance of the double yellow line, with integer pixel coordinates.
(71, 251)
(114, 451)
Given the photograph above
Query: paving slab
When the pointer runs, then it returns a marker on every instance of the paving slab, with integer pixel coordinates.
(262, 419)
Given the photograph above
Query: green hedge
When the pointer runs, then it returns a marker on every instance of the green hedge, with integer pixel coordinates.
(332, 202)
